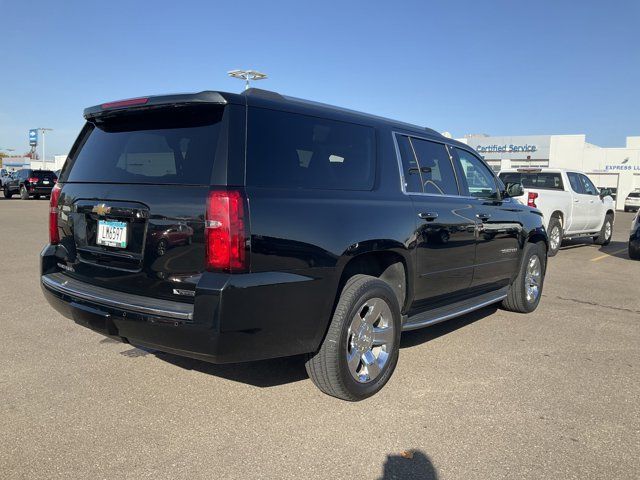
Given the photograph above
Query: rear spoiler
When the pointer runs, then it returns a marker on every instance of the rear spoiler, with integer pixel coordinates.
(143, 103)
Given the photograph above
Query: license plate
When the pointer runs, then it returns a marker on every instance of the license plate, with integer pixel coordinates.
(45, 182)
(112, 233)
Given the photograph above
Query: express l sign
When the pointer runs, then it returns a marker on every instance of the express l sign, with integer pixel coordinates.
(506, 148)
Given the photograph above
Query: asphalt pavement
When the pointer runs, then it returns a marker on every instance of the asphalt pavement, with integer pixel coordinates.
(491, 395)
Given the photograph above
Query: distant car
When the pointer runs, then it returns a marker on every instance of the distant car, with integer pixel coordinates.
(632, 202)
(30, 183)
(5, 176)
(634, 238)
(572, 206)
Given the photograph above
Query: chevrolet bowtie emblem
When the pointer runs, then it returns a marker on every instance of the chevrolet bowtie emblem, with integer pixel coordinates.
(101, 209)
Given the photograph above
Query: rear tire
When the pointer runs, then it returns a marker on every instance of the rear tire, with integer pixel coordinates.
(7, 193)
(526, 290)
(360, 350)
(555, 236)
(606, 232)
(24, 195)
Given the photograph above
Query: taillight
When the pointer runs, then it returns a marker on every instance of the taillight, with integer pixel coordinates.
(225, 231)
(54, 236)
(32, 180)
(531, 201)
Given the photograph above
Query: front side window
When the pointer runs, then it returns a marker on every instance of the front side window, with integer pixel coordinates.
(436, 171)
(480, 180)
(576, 183)
(589, 187)
(300, 151)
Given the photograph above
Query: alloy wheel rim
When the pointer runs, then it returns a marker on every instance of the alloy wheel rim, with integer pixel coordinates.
(533, 278)
(555, 237)
(607, 231)
(370, 340)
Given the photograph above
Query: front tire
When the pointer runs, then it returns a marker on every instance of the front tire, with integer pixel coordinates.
(606, 232)
(360, 350)
(24, 195)
(7, 193)
(526, 290)
(555, 236)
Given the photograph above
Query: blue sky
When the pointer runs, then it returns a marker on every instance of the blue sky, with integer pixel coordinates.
(503, 67)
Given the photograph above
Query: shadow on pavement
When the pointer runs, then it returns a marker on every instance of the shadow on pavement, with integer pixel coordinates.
(417, 337)
(265, 373)
(418, 467)
(280, 371)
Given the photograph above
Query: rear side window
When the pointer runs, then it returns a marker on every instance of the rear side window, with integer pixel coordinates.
(165, 147)
(550, 181)
(634, 195)
(300, 151)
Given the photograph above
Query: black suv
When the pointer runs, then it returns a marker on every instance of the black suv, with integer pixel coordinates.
(30, 183)
(298, 228)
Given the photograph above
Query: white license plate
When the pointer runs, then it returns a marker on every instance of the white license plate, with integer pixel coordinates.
(112, 233)
(45, 182)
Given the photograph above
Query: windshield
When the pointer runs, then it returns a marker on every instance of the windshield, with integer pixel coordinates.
(163, 147)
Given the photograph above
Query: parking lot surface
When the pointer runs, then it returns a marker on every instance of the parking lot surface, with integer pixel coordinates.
(553, 394)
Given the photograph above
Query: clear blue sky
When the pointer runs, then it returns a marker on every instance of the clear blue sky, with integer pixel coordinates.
(504, 67)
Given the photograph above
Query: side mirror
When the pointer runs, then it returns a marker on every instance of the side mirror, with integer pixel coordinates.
(513, 190)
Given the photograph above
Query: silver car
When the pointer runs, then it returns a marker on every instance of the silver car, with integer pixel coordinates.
(632, 202)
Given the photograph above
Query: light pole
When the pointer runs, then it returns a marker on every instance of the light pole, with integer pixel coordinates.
(44, 159)
(247, 75)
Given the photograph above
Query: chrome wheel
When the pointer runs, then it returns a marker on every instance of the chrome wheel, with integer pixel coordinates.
(533, 278)
(607, 231)
(370, 340)
(554, 238)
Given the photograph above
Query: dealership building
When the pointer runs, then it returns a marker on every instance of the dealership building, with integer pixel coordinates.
(607, 167)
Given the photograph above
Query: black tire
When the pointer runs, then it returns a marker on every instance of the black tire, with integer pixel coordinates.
(7, 193)
(604, 238)
(516, 300)
(634, 250)
(24, 195)
(36, 196)
(554, 223)
(626, 209)
(328, 368)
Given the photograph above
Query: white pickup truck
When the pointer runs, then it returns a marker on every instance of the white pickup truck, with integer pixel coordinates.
(572, 206)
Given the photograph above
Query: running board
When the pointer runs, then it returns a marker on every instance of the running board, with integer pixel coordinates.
(437, 315)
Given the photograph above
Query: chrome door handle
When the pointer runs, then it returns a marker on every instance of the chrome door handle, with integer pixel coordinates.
(483, 216)
(428, 216)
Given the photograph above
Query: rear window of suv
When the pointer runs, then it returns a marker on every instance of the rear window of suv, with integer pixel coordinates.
(300, 151)
(551, 181)
(165, 146)
(634, 195)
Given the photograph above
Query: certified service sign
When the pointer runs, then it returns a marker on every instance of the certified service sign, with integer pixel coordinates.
(33, 137)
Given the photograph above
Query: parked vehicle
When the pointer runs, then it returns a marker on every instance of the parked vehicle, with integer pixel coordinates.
(311, 230)
(30, 183)
(632, 202)
(634, 238)
(5, 177)
(572, 206)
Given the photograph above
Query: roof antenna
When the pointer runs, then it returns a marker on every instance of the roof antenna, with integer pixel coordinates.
(247, 76)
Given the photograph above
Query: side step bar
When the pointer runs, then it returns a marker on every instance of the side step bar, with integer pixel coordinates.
(437, 315)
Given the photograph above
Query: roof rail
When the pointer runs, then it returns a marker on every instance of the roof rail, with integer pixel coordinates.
(258, 92)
